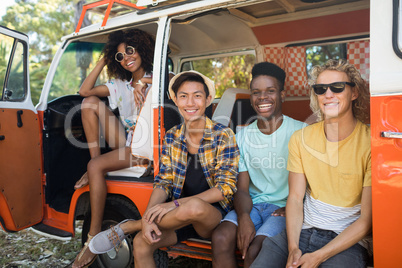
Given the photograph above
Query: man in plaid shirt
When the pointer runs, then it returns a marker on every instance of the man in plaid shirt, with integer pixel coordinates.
(197, 179)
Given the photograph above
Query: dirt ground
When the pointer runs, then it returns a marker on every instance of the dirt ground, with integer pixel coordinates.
(29, 249)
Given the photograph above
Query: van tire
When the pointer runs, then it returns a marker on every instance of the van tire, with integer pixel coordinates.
(117, 209)
(161, 259)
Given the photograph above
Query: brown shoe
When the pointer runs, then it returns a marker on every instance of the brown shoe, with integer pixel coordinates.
(84, 251)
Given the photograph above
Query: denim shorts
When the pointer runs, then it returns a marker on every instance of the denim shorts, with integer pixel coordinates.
(188, 231)
(265, 224)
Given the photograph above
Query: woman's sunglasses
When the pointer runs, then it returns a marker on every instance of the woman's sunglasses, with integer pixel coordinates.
(119, 57)
(336, 87)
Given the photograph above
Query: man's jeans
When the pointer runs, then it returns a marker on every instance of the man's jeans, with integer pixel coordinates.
(274, 252)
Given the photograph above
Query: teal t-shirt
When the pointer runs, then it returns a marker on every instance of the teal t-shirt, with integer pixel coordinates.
(265, 158)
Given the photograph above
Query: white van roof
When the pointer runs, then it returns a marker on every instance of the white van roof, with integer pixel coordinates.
(236, 20)
(252, 12)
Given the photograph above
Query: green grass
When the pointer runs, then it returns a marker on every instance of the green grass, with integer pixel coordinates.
(28, 249)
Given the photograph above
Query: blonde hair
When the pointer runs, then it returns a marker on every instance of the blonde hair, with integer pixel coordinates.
(359, 105)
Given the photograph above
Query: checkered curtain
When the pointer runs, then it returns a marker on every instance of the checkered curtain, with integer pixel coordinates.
(293, 61)
(296, 74)
(275, 55)
(359, 56)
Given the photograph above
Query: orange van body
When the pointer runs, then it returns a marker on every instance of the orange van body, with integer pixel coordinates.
(281, 41)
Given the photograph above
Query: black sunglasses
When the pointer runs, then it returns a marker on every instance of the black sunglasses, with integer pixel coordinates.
(336, 87)
(119, 57)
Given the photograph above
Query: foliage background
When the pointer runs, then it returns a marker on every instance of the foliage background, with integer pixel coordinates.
(45, 22)
(227, 72)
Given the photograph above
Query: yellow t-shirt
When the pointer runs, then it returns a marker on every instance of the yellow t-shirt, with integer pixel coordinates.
(336, 173)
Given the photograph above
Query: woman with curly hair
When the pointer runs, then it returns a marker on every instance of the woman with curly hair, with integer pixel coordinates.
(128, 56)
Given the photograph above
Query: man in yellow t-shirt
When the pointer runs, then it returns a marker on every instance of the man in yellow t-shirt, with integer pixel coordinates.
(329, 205)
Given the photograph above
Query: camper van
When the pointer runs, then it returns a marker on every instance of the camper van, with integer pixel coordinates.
(43, 149)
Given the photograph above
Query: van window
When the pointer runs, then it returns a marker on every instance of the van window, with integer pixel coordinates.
(397, 28)
(319, 54)
(75, 64)
(15, 89)
(226, 72)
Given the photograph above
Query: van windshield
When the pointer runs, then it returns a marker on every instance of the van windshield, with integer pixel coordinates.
(226, 71)
(75, 64)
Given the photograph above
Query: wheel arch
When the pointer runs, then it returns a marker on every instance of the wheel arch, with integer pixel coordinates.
(137, 193)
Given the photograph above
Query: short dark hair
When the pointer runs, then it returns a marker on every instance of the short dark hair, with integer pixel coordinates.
(269, 69)
(143, 43)
(189, 77)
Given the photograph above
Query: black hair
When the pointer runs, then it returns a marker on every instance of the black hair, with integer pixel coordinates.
(143, 43)
(269, 69)
(189, 77)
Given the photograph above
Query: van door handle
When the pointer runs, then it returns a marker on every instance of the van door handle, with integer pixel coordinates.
(391, 135)
(19, 120)
(2, 137)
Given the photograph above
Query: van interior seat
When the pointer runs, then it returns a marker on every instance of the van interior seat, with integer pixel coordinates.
(135, 171)
(298, 108)
(141, 143)
(234, 109)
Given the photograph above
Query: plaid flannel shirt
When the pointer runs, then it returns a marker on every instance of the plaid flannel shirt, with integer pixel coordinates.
(218, 154)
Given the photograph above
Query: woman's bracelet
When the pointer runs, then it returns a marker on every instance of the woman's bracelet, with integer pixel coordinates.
(139, 82)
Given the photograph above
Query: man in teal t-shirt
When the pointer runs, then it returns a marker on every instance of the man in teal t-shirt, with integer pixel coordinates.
(262, 182)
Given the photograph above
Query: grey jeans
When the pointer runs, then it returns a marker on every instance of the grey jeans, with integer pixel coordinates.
(274, 252)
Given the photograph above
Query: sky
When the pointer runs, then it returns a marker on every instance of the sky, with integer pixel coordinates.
(3, 6)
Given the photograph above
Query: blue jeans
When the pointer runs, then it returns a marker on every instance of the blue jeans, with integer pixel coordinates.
(274, 252)
(264, 223)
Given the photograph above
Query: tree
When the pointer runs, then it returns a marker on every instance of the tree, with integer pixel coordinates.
(227, 72)
(318, 55)
(45, 22)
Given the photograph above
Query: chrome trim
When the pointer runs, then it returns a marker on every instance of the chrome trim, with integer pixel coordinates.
(391, 135)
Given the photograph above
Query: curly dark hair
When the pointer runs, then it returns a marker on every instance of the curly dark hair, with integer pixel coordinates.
(140, 40)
